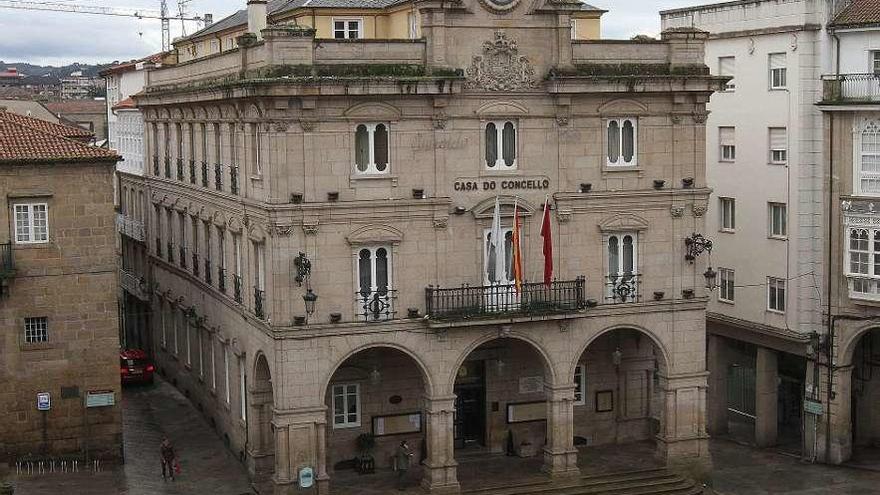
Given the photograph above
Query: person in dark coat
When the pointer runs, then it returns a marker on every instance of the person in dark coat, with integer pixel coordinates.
(167, 455)
(401, 462)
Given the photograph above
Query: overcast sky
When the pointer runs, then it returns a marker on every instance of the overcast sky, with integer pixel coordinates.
(62, 38)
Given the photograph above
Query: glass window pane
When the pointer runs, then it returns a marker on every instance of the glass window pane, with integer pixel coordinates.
(491, 145)
(491, 276)
(382, 271)
(508, 255)
(613, 256)
(380, 144)
(629, 144)
(613, 141)
(628, 255)
(509, 144)
(365, 275)
(361, 148)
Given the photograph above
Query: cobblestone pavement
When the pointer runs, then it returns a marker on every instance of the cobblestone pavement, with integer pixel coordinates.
(150, 412)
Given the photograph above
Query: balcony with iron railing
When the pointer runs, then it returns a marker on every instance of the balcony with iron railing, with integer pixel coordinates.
(236, 288)
(488, 301)
(134, 284)
(233, 179)
(851, 88)
(204, 174)
(218, 176)
(156, 166)
(377, 305)
(259, 296)
(7, 266)
(130, 227)
(622, 288)
(180, 175)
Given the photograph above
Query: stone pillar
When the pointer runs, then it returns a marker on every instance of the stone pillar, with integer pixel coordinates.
(683, 437)
(297, 445)
(321, 477)
(560, 456)
(838, 448)
(717, 363)
(766, 397)
(282, 455)
(441, 470)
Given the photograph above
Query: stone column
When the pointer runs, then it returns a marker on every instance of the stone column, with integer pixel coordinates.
(717, 364)
(766, 396)
(837, 448)
(282, 455)
(321, 477)
(560, 456)
(683, 437)
(299, 443)
(440, 467)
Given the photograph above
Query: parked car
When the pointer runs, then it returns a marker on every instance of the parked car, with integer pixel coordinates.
(135, 366)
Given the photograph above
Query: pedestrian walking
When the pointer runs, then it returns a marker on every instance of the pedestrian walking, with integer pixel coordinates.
(401, 463)
(168, 457)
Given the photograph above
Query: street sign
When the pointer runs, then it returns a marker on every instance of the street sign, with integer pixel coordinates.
(44, 401)
(813, 407)
(100, 398)
(306, 477)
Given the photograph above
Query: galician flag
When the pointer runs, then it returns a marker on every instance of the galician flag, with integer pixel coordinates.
(517, 251)
(548, 243)
(496, 245)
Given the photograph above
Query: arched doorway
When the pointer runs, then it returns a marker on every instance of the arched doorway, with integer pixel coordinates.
(501, 393)
(261, 441)
(865, 395)
(375, 401)
(619, 395)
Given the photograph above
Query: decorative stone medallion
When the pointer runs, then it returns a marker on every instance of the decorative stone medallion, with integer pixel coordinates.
(499, 6)
(500, 68)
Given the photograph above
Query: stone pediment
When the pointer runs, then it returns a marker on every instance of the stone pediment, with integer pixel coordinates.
(373, 111)
(623, 106)
(623, 222)
(486, 208)
(501, 109)
(375, 234)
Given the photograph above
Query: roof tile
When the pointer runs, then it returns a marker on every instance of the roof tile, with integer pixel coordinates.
(20, 142)
(859, 13)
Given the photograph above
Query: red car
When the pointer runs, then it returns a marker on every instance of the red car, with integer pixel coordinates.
(135, 366)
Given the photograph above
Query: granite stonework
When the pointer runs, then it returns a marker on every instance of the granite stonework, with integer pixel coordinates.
(281, 123)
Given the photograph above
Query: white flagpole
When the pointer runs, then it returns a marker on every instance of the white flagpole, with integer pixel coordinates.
(497, 241)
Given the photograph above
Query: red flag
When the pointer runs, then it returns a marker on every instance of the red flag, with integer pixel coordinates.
(548, 244)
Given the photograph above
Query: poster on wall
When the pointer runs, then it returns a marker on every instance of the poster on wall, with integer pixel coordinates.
(397, 424)
(604, 401)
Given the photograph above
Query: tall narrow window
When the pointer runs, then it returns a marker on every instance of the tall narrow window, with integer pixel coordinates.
(726, 287)
(622, 267)
(242, 389)
(259, 279)
(31, 223)
(346, 405)
(776, 294)
(236, 267)
(778, 71)
(226, 373)
(201, 354)
(501, 151)
(371, 148)
(867, 156)
(218, 145)
(412, 22)
(875, 62)
(163, 321)
(622, 136)
(374, 283)
(727, 68)
(777, 214)
(256, 149)
(727, 211)
(213, 345)
(580, 385)
(778, 145)
(727, 143)
(491, 277)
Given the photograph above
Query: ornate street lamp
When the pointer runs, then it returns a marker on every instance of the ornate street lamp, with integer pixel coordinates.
(696, 245)
(310, 298)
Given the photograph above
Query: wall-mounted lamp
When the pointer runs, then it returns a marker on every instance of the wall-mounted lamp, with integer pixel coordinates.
(696, 245)
(375, 376)
(310, 298)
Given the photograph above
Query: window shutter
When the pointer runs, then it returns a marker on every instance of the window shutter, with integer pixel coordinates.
(727, 136)
(777, 61)
(778, 138)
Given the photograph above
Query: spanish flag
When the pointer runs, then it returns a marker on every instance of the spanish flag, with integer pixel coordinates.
(517, 250)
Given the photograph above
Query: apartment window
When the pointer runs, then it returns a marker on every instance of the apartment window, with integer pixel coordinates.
(726, 286)
(226, 372)
(346, 405)
(776, 294)
(371, 149)
(728, 214)
(218, 144)
(777, 213)
(778, 71)
(580, 385)
(374, 282)
(875, 62)
(727, 68)
(36, 330)
(242, 390)
(256, 149)
(778, 145)
(347, 29)
(622, 142)
(178, 319)
(868, 157)
(727, 143)
(31, 223)
(501, 145)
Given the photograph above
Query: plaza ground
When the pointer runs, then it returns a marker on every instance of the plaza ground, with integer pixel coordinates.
(209, 468)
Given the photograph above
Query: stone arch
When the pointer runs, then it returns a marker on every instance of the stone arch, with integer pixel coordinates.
(261, 404)
(623, 222)
(423, 368)
(850, 345)
(375, 233)
(486, 208)
(664, 353)
(487, 337)
(622, 106)
(373, 111)
(501, 109)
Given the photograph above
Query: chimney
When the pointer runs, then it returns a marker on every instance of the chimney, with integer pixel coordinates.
(209, 19)
(256, 11)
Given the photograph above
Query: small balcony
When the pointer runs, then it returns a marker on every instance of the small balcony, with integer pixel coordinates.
(622, 288)
(851, 88)
(130, 227)
(134, 284)
(180, 169)
(218, 177)
(376, 306)
(236, 288)
(204, 174)
(192, 172)
(465, 302)
(259, 296)
(233, 179)
(156, 166)
(7, 267)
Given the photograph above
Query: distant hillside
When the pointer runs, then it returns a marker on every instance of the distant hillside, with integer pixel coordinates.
(64, 71)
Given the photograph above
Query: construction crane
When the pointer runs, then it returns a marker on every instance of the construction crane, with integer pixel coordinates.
(161, 14)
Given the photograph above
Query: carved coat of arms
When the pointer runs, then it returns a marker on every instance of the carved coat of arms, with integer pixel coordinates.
(500, 68)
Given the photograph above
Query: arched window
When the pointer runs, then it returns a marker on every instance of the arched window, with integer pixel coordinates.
(501, 145)
(622, 142)
(868, 152)
(371, 148)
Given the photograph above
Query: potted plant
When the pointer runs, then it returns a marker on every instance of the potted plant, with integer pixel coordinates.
(366, 444)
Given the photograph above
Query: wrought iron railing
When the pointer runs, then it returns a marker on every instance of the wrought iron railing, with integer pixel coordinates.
(130, 227)
(180, 169)
(195, 265)
(158, 247)
(204, 174)
(622, 288)
(7, 261)
(376, 305)
(259, 294)
(236, 288)
(156, 166)
(852, 88)
(167, 167)
(233, 179)
(170, 251)
(182, 259)
(221, 279)
(208, 271)
(218, 176)
(134, 284)
(562, 296)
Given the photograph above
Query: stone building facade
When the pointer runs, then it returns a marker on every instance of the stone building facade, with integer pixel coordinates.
(58, 306)
(318, 220)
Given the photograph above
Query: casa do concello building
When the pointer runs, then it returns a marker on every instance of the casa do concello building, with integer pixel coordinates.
(317, 232)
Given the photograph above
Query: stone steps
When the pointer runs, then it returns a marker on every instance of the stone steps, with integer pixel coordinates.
(655, 481)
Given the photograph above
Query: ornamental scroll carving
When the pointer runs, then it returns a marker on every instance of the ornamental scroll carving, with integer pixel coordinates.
(500, 67)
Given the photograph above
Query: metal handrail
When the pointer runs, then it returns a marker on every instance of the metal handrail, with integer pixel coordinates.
(561, 296)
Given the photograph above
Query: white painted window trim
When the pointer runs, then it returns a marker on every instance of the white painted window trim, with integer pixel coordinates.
(621, 163)
(859, 133)
(773, 150)
(505, 262)
(372, 168)
(620, 236)
(347, 29)
(772, 227)
(771, 70)
(722, 288)
(722, 202)
(773, 282)
(500, 166)
(345, 405)
(30, 217)
(580, 382)
(36, 326)
(730, 87)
